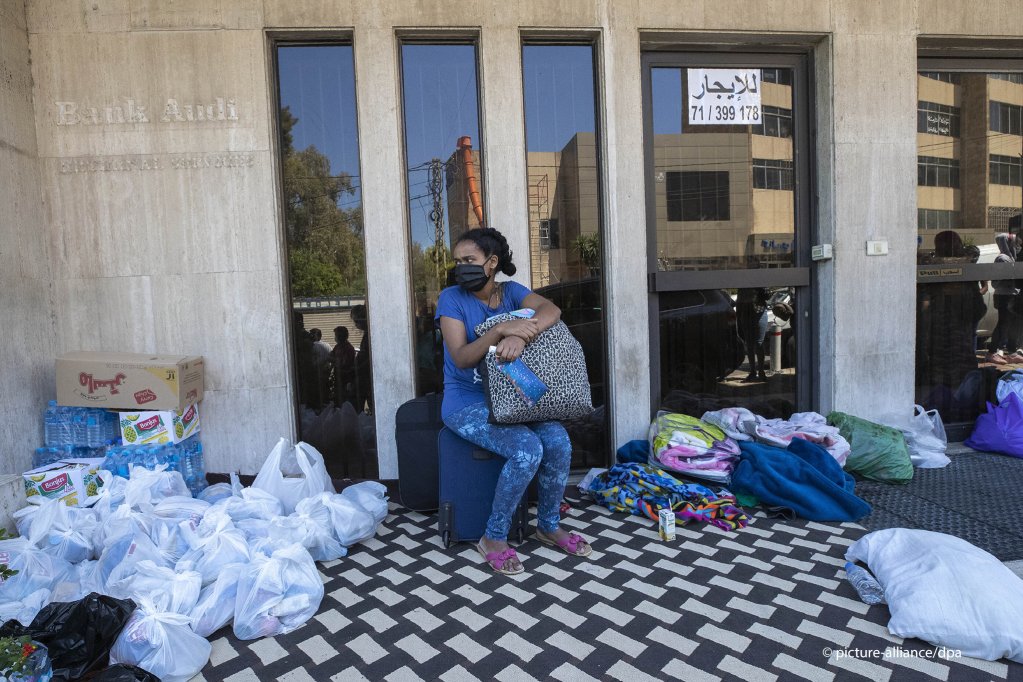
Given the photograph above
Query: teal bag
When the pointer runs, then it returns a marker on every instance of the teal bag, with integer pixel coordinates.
(877, 452)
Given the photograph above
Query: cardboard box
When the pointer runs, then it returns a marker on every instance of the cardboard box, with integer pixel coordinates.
(129, 381)
(167, 426)
(73, 481)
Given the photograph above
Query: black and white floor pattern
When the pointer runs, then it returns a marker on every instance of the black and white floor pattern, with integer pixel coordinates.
(769, 602)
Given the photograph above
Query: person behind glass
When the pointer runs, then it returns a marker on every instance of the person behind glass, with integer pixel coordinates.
(1004, 335)
(949, 313)
(363, 362)
(541, 447)
(321, 355)
(343, 360)
(751, 317)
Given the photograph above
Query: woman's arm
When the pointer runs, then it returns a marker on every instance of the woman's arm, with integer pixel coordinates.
(546, 313)
(464, 354)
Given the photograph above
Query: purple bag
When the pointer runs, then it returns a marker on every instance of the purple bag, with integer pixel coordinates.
(1001, 429)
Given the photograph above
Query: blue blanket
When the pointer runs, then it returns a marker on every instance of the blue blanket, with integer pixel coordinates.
(804, 478)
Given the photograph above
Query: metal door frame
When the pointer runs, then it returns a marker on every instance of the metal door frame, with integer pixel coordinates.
(801, 275)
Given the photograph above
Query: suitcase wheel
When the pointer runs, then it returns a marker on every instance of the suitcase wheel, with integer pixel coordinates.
(522, 536)
(445, 537)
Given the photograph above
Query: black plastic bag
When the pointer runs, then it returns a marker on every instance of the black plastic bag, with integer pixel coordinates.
(122, 672)
(78, 634)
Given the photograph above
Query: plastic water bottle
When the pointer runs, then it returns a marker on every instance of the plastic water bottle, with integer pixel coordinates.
(867, 587)
(50, 425)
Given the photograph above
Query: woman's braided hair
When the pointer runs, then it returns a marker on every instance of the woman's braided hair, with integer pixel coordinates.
(491, 242)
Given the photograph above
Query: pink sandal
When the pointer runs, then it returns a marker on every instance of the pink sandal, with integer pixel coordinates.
(569, 545)
(497, 560)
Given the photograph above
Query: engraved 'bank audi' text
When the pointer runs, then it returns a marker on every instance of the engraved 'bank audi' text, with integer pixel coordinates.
(131, 111)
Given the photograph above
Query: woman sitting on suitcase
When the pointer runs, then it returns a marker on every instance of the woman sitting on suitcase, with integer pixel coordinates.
(479, 255)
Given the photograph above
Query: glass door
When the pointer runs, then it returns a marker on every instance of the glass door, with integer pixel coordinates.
(729, 231)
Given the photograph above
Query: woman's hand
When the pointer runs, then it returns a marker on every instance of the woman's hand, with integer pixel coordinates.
(510, 348)
(527, 330)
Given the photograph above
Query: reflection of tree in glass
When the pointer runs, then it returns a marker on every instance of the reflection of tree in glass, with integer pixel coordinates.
(588, 248)
(326, 253)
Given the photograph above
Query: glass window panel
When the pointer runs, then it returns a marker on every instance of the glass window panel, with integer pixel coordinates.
(715, 206)
(968, 212)
(563, 180)
(443, 157)
(724, 199)
(326, 256)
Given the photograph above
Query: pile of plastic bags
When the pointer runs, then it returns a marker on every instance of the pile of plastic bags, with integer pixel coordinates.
(241, 555)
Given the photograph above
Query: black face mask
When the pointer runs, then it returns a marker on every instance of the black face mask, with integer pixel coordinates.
(470, 277)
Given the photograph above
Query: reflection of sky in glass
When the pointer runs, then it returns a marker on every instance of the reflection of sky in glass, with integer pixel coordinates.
(318, 85)
(440, 104)
(558, 84)
(667, 101)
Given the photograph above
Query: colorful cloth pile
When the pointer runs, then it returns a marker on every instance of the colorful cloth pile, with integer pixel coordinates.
(692, 447)
(741, 424)
(644, 490)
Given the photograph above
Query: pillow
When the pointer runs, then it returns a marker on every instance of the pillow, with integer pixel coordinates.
(945, 591)
(547, 382)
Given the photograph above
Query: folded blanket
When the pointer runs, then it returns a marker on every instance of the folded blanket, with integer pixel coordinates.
(804, 478)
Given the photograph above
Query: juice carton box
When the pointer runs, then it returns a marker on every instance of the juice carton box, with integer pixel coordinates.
(129, 381)
(666, 524)
(166, 426)
(74, 481)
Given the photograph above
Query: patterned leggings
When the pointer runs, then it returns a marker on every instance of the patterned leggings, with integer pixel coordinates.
(528, 448)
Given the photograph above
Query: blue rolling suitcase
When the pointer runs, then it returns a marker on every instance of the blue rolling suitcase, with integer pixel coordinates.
(467, 478)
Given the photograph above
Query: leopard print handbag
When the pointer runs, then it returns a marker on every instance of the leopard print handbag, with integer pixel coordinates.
(556, 359)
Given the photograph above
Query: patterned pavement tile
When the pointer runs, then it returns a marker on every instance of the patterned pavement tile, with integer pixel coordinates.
(768, 602)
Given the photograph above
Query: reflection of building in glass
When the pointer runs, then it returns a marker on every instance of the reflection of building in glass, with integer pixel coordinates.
(564, 206)
(722, 193)
(969, 144)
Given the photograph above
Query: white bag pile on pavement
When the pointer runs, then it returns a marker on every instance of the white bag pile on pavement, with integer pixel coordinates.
(192, 565)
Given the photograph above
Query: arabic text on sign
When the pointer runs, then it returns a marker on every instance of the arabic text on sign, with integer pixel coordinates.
(724, 97)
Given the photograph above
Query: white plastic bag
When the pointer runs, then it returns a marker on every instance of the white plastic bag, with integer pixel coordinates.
(312, 527)
(214, 544)
(216, 492)
(26, 610)
(251, 503)
(1009, 382)
(925, 437)
(176, 591)
(161, 643)
(371, 496)
(118, 563)
(62, 532)
(277, 594)
(37, 570)
(182, 509)
(149, 487)
(253, 529)
(350, 522)
(292, 473)
(215, 608)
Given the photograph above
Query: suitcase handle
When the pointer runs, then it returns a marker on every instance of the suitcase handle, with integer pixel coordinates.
(478, 453)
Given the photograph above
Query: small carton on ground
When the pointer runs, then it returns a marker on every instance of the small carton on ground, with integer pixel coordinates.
(129, 381)
(165, 426)
(73, 481)
(666, 524)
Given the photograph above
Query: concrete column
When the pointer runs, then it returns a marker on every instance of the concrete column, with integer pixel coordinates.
(874, 185)
(26, 339)
(505, 138)
(625, 234)
(386, 233)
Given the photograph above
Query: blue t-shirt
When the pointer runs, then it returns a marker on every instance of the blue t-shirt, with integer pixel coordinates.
(463, 387)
